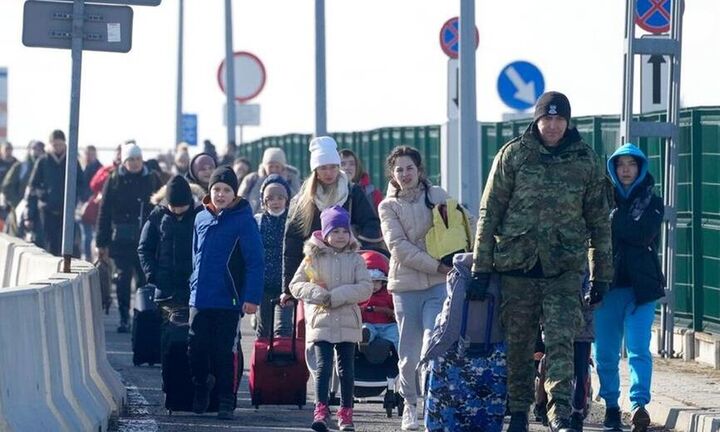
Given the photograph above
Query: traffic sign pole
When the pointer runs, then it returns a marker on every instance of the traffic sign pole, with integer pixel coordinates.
(229, 74)
(320, 80)
(471, 169)
(72, 151)
(179, 89)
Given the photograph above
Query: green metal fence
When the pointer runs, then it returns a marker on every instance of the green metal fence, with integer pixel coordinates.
(697, 286)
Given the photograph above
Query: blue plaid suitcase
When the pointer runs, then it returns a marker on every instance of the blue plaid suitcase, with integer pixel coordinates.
(466, 388)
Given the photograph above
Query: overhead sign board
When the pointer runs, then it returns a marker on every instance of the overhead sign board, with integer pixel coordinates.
(245, 114)
(450, 37)
(249, 76)
(49, 25)
(653, 15)
(520, 84)
(3, 104)
(189, 129)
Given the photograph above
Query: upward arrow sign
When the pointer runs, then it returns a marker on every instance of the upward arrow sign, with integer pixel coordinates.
(656, 61)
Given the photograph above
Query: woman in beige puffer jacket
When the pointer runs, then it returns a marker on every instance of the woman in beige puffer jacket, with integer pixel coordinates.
(416, 280)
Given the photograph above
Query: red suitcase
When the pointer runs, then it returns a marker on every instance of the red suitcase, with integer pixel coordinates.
(278, 373)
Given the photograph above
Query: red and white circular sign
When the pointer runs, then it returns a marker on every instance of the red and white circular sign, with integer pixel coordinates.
(249, 76)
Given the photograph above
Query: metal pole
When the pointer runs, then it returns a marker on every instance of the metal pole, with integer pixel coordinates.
(179, 92)
(470, 169)
(670, 192)
(320, 94)
(229, 74)
(629, 74)
(72, 151)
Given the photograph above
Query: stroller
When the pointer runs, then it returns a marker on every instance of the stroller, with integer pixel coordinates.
(376, 377)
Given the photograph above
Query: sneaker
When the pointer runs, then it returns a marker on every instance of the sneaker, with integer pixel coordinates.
(226, 408)
(561, 424)
(201, 398)
(613, 420)
(640, 419)
(344, 416)
(576, 421)
(320, 417)
(518, 422)
(409, 418)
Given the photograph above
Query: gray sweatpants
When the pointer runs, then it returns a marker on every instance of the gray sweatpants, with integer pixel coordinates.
(415, 312)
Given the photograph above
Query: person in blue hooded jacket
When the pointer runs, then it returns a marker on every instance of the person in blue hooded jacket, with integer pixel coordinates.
(627, 310)
(226, 281)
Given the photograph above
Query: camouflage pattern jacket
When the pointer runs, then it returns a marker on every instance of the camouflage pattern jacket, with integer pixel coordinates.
(546, 206)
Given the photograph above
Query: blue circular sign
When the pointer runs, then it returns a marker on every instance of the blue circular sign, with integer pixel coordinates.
(653, 15)
(520, 84)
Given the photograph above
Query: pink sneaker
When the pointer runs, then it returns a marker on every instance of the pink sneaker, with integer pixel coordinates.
(344, 416)
(320, 417)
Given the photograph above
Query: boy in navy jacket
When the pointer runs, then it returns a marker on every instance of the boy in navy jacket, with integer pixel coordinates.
(227, 281)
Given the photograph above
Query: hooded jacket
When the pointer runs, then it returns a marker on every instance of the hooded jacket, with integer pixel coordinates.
(227, 258)
(545, 211)
(251, 184)
(272, 230)
(346, 279)
(406, 220)
(636, 220)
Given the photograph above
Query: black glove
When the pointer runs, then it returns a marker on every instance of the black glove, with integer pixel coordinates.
(478, 286)
(597, 292)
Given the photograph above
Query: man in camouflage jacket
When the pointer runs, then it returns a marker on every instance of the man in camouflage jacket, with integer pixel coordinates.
(543, 216)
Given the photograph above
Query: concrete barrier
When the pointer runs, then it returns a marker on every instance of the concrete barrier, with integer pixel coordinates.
(54, 372)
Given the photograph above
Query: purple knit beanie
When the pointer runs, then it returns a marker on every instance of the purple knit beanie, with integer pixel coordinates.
(334, 217)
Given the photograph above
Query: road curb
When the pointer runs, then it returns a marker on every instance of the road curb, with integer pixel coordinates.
(678, 416)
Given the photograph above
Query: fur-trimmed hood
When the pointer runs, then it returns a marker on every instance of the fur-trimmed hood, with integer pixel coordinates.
(160, 197)
(315, 246)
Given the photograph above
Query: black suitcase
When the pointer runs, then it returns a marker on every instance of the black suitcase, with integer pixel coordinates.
(177, 382)
(146, 327)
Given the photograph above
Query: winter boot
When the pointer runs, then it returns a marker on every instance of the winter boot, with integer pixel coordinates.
(640, 419)
(321, 417)
(345, 422)
(409, 417)
(201, 399)
(613, 420)
(518, 422)
(576, 421)
(540, 413)
(561, 424)
(124, 326)
(226, 407)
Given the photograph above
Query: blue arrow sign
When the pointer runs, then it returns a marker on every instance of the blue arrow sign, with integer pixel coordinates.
(520, 84)
(189, 128)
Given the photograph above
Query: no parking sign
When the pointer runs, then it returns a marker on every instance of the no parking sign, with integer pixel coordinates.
(653, 15)
(450, 37)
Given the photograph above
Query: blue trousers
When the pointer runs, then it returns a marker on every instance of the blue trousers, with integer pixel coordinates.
(619, 316)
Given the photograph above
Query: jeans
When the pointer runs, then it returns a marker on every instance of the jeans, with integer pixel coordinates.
(346, 370)
(212, 340)
(619, 316)
(389, 332)
(282, 318)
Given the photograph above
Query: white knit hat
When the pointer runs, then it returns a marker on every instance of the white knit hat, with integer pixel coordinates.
(130, 150)
(323, 151)
(274, 154)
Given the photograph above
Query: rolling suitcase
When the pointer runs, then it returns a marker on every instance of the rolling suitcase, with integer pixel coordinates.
(146, 327)
(466, 388)
(278, 373)
(177, 380)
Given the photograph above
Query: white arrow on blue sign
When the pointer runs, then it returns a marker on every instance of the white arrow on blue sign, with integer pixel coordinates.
(189, 128)
(520, 84)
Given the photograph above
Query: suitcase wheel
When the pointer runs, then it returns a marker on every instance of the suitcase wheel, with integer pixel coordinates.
(389, 403)
(400, 404)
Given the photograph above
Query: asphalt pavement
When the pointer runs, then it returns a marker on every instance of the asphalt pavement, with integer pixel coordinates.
(145, 411)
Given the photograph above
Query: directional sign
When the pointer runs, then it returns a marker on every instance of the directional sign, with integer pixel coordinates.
(189, 128)
(249, 76)
(450, 37)
(245, 114)
(3, 104)
(520, 84)
(49, 25)
(653, 15)
(453, 92)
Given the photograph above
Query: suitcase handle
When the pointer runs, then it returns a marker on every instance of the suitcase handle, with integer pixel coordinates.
(273, 303)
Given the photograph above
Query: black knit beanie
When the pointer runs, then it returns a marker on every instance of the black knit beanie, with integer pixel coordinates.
(552, 103)
(178, 192)
(224, 174)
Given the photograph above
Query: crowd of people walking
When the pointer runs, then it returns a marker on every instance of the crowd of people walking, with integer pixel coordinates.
(574, 243)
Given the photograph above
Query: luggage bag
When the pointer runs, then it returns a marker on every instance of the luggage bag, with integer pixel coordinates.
(146, 327)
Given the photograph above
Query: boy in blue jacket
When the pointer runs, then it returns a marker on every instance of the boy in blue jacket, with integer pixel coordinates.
(226, 282)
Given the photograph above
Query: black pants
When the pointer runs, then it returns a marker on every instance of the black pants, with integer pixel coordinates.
(126, 265)
(211, 341)
(52, 224)
(346, 369)
(581, 366)
(280, 316)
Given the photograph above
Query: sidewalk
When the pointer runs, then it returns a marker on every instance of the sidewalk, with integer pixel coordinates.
(685, 395)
